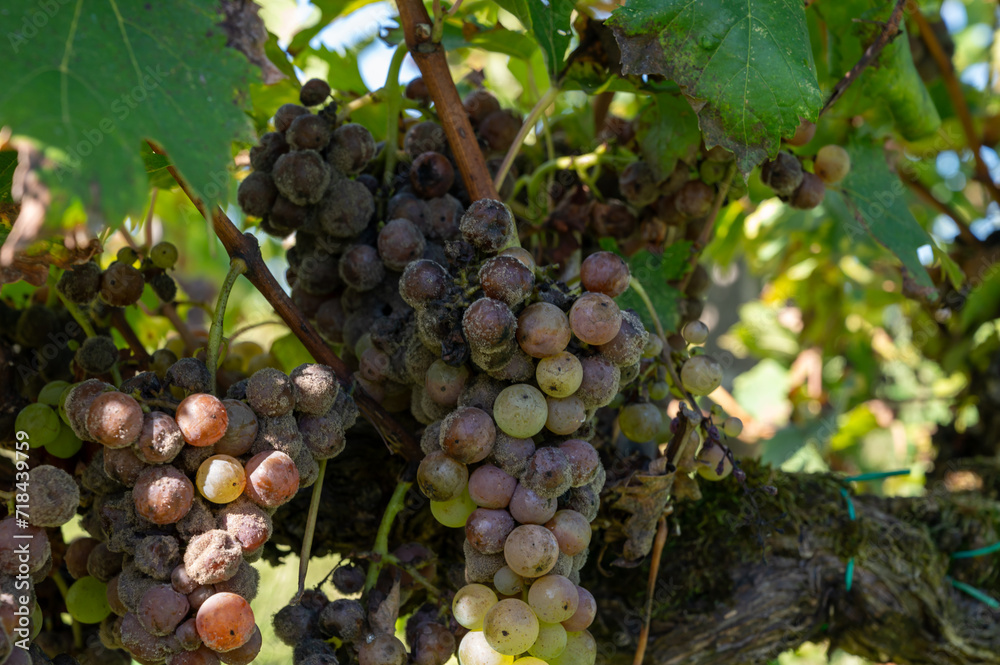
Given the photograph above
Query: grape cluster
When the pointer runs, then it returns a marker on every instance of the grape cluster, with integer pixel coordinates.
(180, 497)
(788, 178)
(121, 283)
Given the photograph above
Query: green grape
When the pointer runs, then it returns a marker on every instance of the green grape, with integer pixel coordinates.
(510, 626)
(530, 660)
(62, 402)
(454, 512)
(695, 332)
(640, 422)
(659, 390)
(475, 650)
(553, 598)
(713, 463)
(66, 444)
(581, 649)
(51, 392)
(550, 643)
(653, 347)
(718, 413)
(521, 411)
(40, 422)
(701, 375)
(732, 427)
(508, 582)
(559, 375)
(127, 255)
(87, 600)
(163, 255)
(470, 604)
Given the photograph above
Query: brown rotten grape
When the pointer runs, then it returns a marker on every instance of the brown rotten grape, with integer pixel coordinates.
(595, 318)
(121, 285)
(605, 272)
(351, 148)
(431, 175)
(468, 434)
(114, 419)
(301, 176)
(810, 193)
(400, 243)
(694, 199)
(308, 132)
(488, 225)
(783, 174)
(423, 281)
(488, 324)
(162, 494)
(314, 92)
(257, 194)
(507, 279)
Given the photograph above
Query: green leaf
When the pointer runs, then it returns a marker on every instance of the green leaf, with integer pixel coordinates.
(290, 352)
(520, 9)
(877, 200)
(100, 78)
(667, 130)
(981, 305)
(8, 162)
(549, 22)
(551, 25)
(653, 272)
(746, 64)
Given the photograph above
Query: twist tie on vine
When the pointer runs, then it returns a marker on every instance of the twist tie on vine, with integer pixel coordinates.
(981, 596)
(877, 475)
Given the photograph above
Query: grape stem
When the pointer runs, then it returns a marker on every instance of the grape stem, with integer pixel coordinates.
(392, 97)
(536, 112)
(307, 538)
(64, 592)
(890, 30)
(397, 438)
(396, 504)
(237, 267)
(654, 571)
(706, 232)
(666, 355)
(954, 89)
(433, 63)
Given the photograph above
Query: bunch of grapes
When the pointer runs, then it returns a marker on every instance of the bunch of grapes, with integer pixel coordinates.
(179, 498)
(787, 176)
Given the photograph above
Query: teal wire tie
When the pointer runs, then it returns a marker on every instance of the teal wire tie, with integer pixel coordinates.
(968, 554)
(875, 475)
(989, 601)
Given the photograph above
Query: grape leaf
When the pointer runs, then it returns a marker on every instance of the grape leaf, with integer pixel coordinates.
(100, 78)
(667, 130)
(8, 162)
(876, 199)
(747, 66)
(653, 272)
(549, 22)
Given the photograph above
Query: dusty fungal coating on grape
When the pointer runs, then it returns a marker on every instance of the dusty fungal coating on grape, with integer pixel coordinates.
(316, 388)
(488, 225)
(270, 146)
(247, 523)
(783, 174)
(97, 355)
(605, 272)
(157, 556)
(162, 494)
(213, 556)
(346, 209)
(308, 132)
(301, 176)
(595, 318)
(423, 281)
(344, 618)
(488, 324)
(54, 496)
(548, 474)
(190, 375)
(480, 568)
(285, 114)
(256, 194)
(160, 439)
(352, 148)
(81, 283)
(161, 609)
(241, 429)
(440, 477)
(383, 650)
(506, 279)
(627, 346)
(114, 419)
(270, 392)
